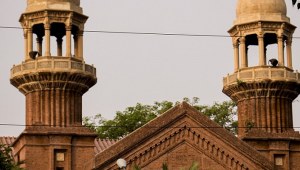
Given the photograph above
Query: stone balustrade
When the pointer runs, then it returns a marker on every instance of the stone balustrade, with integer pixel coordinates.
(53, 64)
(251, 74)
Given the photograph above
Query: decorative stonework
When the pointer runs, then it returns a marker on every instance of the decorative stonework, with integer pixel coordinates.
(46, 73)
(252, 74)
(54, 16)
(187, 136)
(166, 138)
(264, 97)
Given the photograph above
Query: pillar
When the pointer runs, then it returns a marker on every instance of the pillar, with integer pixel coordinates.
(280, 51)
(236, 56)
(289, 53)
(262, 56)
(47, 38)
(59, 41)
(75, 37)
(80, 45)
(26, 44)
(243, 52)
(68, 41)
(39, 43)
(29, 41)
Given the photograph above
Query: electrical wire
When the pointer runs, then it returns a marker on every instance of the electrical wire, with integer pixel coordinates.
(146, 33)
(150, 127)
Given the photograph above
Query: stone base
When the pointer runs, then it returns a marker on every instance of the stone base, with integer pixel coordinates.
(282, 148)
(51, 148)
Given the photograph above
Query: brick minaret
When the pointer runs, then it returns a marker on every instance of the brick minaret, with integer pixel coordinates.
(265, 90)
(53, 84)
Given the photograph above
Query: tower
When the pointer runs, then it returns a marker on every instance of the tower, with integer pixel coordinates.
(53, 77)
(264, 91)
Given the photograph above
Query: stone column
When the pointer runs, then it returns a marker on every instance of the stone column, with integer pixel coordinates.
(80, 45)
(68, 41)
(47, 38)
(289, 53)
(75, 37)
(262, 56)
(26, 44)
(30, 40)
(236, 56)
(243, 52)
(39, 42)
(59, 41)
(280, 51)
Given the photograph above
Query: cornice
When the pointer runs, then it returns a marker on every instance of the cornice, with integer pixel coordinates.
(182, 125)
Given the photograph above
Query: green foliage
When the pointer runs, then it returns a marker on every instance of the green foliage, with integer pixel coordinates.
(294, 3)
(6, 160)
(223, 113)
(136, 167)
(164, 166)
(134, 117)
(194, 166)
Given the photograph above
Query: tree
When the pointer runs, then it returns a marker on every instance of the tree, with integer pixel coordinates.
(134, 117)
(294, 3)
(6, 160)
(194, 166)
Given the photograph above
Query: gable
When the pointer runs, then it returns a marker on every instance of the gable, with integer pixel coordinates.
(184, 155)
(179, 135)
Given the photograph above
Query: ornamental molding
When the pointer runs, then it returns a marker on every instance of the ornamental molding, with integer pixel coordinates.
(46, 73)
(54, 16)
(262, 26)
(189, 133)
(192, 137)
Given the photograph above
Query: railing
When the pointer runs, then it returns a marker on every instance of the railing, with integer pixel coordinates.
(53, 64)
(262, 73)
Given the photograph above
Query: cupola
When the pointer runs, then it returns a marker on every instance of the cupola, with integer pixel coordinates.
(260, 10)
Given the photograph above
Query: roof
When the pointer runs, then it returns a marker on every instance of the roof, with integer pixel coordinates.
(181, 126)
(102, 144)
(7, 140)
(261, 10)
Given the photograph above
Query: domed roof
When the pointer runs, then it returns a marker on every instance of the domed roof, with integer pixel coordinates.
(69, 5)
(261, 10)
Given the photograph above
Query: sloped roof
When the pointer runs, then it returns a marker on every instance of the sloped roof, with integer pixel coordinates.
(7, 140)
(182, 124)
(102, 144)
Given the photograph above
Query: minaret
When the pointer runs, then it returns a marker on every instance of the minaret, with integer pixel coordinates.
(264, 91)
(53, 77)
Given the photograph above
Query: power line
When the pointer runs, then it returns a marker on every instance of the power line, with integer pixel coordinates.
(202, 127)
(146, 33)
(157, 33)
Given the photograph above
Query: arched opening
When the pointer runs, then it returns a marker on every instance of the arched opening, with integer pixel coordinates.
(75, 32)
(39, 32)
(252, 50)
(271, 46)
(58, 30)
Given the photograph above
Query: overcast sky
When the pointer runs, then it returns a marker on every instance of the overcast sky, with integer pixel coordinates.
(139, 68)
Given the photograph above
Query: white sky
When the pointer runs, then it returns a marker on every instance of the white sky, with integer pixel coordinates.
(139, 68)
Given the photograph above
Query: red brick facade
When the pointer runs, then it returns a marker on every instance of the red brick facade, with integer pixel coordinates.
(54, 138)
(180, 137)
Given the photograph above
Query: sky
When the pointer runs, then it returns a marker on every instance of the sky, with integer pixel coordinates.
(139, 68)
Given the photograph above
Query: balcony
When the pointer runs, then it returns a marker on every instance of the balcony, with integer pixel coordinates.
(53, 64)
(252, 74)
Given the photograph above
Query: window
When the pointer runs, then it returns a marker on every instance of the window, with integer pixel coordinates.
(279, 160)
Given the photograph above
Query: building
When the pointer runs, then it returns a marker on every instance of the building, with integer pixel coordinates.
(53, 85)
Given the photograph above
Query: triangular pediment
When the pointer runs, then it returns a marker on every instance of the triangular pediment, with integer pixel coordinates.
(180, 137)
